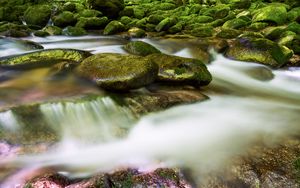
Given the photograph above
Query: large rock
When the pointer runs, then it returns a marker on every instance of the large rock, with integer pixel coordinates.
(110, 8)
(272, 13)
(113, 27)
(140, 48)
(43, 58)
(118, 71)
(92, 22)
(37, 15)
(64, 19)
(259, 50)
(181, 70)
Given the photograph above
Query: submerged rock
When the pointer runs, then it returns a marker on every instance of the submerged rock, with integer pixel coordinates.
(140, 48)
(118, 71)
(259, 50)
(43, 57)
(181, 70)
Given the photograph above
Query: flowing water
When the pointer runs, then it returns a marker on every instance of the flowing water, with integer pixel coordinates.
(248, 103)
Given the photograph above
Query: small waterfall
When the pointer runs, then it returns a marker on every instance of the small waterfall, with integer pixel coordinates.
(98, 119)
(8, 121)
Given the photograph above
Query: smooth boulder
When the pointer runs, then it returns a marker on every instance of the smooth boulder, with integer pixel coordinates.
(181, 70)
(118, 71)
(140, 48)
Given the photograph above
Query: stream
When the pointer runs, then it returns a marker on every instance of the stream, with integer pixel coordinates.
(249, 103)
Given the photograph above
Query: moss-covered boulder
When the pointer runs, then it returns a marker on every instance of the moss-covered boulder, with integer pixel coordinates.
(203, 31)
(140, 48)
(74, 31)
(272, 13)
(87, 13)
(228, 33)
(52, 30)
(236, 23)
(118, 71)
(136, 32)
(92, 22)
(165, 24)
(181, 70)
(294, 14)
(273, 33)
(64, 19)
(113, 27)
(37, 15)
(155, 18)
(44, 57)
(110, 8)
(41, 33)
(259, 50)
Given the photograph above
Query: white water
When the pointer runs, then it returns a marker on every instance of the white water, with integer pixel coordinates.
(201, 136)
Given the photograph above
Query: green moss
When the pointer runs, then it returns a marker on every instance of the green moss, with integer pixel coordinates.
(113, 27)
(64, 19)
(275, 14)
(140, 48)
(92, 22)
(235, 24)
(37, 15)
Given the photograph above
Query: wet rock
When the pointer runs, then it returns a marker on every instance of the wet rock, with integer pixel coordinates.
(74, 31)
(136, 32)
(236, 23)
(64, 19)
(228, 33)
(92, 22)
(37, 15)
(88, 13)
(275, 14)
(159, 97)
(273, 33)
(117, 71)
(16, 33)
(258, 26)
(43, 57)
(259, 50)
(48, 181)
(52, 30)
(140, 48)
(176, 28)
(7, 27)
(110, 8)
(165, 24)
(203, 31)
(41, 33)
(181, 70)
(113, 27)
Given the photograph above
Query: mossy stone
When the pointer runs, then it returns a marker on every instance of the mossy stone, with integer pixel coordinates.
(228, 33)
(258, 26)
(273, 33)
(44, 58)
(140, 48)
(113, 27)
(235, 24)
(109, 8)
(92, 22)
(37, 15)
(294, 26)
(118, 71)
(203, 31)
(87, 13)
(275, 14)
(136, 32)
(259, 50)
(155, 18)
(64, 19)
(165, 24)
(41, 33)
(293, 14)
(52, 30)
(125, 20)
(176, 28)
(138, 13)
(181, 70)
(74, 31)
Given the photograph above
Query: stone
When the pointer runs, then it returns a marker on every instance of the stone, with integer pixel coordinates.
(74, 31)
(41, 33)
(92, 22)
(275, 14)
(165, 24)
(259, 50)
(109, 8)
(42, 57)
(140, 48)
(118, 71)
(37, 15)
(228, 33)
(236, 23)
(136, 32)
(293, 14)
(113, 27)
(64, 19)
(203, 31)
(87, 13)
(52, 30)
(181, 70)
